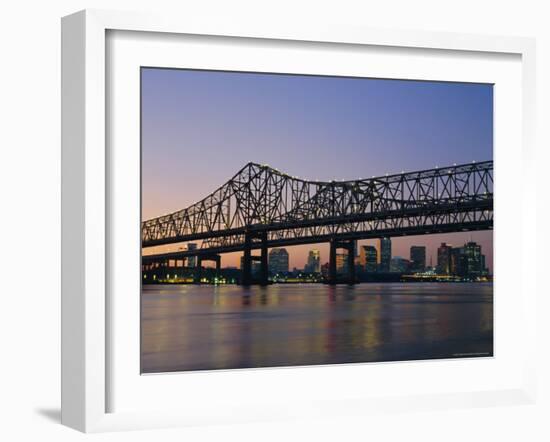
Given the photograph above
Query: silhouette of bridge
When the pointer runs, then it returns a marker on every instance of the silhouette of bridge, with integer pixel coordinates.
(261, 207)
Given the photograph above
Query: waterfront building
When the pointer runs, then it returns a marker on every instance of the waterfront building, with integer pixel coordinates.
(483, 266)
(341, 263)
(255, 267)
(467, 261)
(457, 265)
(399, 265)
(444, 259)
(368, 258)
(418, 258)
(278, 261)
(385, 254)
(192, 260)
(355, 248)
(313, 264)
(325, 270)
(473, 261)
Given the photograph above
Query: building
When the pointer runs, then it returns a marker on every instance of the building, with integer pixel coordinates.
(467, 261)
(192, 260)
(418, 258)
(278, 261)
(355, 248)
(313, 264)
(399, 265)
(456, 262)
(325, 270)
(255, 267)
(385, 254)
(473, 261)
(368, 258)
(444, 259)
(341, 263)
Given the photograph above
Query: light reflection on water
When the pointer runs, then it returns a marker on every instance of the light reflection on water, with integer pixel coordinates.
(189, 327)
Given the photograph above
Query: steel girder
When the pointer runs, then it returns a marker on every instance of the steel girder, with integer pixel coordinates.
(296, 211)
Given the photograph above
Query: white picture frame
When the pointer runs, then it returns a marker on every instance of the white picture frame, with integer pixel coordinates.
(86, 351)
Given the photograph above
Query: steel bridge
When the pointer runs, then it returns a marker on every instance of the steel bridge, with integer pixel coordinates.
(261, 207)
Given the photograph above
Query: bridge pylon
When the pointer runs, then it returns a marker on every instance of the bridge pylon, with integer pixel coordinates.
(348, 245)
(198, 270)
(248, 258)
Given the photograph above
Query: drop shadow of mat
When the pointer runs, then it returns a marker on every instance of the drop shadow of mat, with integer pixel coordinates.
(51, 414)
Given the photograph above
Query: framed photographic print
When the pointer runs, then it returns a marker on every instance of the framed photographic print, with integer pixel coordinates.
(264, 223)
(313, 271)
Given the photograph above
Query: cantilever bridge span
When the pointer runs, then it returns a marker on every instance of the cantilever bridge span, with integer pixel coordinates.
(261, 207)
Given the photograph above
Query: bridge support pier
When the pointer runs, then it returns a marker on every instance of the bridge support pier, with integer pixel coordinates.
(332, 273)
(351, 263)
(246, 271)
(264, 270)
(248, 258)
(332, 263)
(198, 270)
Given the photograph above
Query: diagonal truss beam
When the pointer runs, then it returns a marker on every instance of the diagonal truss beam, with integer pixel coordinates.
(292, 210)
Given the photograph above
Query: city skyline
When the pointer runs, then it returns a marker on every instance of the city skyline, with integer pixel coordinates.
(211, 123)
(429, 262)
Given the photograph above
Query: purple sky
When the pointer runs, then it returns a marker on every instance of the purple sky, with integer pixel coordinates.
(200, 127)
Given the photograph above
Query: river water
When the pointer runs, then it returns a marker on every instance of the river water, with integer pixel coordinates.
(192, 327)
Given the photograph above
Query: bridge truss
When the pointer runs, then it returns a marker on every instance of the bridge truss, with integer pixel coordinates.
(295, 211)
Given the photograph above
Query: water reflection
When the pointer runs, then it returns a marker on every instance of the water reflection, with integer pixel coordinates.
(205, 327)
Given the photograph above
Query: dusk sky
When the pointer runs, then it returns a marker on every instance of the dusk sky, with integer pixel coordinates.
(200, 127)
